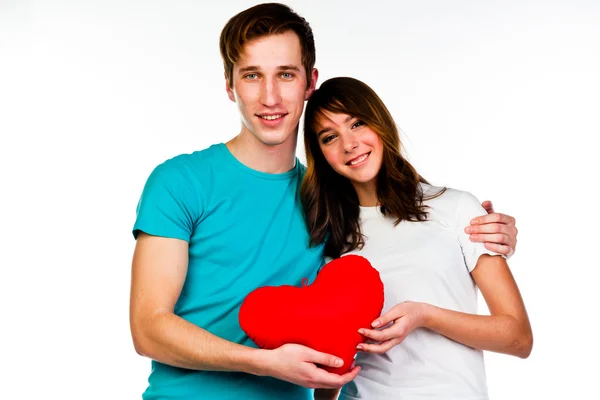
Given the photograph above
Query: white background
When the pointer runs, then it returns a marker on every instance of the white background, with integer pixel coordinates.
(501, 98)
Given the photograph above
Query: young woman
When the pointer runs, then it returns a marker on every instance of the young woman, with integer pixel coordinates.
(363, 197)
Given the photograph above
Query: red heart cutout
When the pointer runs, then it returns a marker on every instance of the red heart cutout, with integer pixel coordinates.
(326, 315)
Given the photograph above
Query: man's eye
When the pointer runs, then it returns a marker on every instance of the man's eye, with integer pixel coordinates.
(287, 75)
(251, 76)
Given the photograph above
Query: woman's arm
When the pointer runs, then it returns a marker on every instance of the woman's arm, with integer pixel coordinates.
(507, 330)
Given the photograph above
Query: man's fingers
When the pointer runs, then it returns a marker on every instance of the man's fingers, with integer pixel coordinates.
(499, 248)
(493, 218)
(349, 376)
(325, 380)
(491, 238)
(501, 244)
(489, 207)
(490, 228)
(329, 380)
(325, 359)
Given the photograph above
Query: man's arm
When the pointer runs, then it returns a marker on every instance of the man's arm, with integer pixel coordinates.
(158, 274)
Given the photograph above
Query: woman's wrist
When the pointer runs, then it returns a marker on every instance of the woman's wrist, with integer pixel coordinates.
(427, 314)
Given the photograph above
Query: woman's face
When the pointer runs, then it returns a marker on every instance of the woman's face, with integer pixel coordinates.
(351, 148)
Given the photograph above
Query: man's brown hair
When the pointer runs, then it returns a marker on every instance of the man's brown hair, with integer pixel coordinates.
(263, 20)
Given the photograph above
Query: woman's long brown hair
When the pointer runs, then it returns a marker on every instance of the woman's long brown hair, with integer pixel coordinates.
(330, 202)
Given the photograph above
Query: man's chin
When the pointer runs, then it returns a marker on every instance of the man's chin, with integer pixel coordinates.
(274, 139)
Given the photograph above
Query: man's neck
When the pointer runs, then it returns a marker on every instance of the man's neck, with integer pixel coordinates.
(261, 157)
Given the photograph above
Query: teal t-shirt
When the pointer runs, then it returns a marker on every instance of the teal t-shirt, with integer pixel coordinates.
(245, 229)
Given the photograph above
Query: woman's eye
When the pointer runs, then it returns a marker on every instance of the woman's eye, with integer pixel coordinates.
(357, 124)
(328, 139)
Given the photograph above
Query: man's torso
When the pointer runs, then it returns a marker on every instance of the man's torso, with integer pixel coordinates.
(246, 230)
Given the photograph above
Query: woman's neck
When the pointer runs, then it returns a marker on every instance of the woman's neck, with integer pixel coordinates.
(367, 193)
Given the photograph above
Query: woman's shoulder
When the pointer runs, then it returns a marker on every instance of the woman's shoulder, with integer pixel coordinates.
(446, 200)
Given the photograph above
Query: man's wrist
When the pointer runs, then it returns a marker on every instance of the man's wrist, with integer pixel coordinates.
(254, 361)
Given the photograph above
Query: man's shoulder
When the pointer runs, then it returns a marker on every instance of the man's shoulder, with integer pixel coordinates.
(186, 169)
(192, 161)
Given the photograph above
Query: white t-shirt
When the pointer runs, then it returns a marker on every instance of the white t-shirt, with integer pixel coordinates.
(430, 262)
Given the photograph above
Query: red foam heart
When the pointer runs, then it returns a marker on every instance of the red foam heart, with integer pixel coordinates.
(326, 315)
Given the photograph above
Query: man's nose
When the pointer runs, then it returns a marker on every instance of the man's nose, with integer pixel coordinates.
(270, 93)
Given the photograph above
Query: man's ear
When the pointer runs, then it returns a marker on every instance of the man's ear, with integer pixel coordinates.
(314, 76)
(229, 89)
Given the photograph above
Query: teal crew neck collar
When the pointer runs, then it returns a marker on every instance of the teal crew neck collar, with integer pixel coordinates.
(263, 175)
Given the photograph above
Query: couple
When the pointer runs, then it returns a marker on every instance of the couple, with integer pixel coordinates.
(216, 224)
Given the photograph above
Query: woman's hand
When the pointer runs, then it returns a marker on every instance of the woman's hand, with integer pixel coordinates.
(404, 318)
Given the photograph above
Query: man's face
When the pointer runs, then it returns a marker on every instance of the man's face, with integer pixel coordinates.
(269, 87)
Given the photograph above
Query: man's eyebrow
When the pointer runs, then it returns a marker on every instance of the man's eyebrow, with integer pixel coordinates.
(249, 68)
(288, 68)
(252, 68)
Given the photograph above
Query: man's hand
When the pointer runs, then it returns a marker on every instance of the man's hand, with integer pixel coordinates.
(299, 364)
(497, 231)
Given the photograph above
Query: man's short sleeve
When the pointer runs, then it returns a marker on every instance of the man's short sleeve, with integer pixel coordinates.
(168, 206)
(468, 208)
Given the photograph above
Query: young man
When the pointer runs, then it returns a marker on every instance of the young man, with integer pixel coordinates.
(216, 224)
